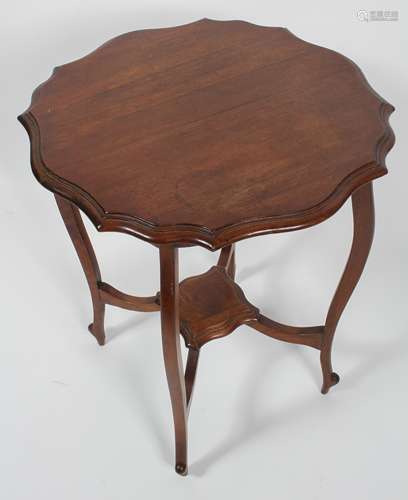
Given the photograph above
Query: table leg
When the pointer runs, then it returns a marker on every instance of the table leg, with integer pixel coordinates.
(190, 374)
(169, 307)
(227, 260)
(363, 215)
(83, 246)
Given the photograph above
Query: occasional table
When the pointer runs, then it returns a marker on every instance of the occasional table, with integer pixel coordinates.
(207, 134)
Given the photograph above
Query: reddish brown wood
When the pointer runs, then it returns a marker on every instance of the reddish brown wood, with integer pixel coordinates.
(237, 129)
(169, 303)
(77, 232)
(110, 295)
(212, 306)
(227, 260)
(363, 215)
(310, 336)
(190, 374)
(206, 134)
(101, 293)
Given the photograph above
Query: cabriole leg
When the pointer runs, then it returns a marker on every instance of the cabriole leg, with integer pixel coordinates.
(83, 246)
(169, 306)
(363, 215)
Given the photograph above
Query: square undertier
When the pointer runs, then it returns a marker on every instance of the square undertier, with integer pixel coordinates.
(212, 305)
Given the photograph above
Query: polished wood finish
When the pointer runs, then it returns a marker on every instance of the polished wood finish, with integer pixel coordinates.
(363, 213)
(83, 246)
(227, 260)
(190, 374)
(101, 293)
(169, 304)
(206, 134)
(310, 336)
(110, 295)
(212, 306)
(276, 130)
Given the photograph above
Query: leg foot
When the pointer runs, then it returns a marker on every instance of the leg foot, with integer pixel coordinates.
(98, 333)
(181, 469)
(333, 380)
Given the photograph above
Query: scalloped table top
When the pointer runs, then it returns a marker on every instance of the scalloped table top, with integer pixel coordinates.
(207, 133)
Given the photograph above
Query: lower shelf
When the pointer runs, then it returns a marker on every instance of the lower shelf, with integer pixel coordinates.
(212, 305)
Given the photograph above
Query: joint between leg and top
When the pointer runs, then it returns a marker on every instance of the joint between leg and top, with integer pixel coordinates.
(101, 293)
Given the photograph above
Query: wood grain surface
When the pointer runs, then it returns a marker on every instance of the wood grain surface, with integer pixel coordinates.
(207, 133)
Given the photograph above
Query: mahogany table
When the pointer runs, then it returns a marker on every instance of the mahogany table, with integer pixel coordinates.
(206, 134)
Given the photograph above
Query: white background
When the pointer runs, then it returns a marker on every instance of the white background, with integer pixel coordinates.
(78, 421)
